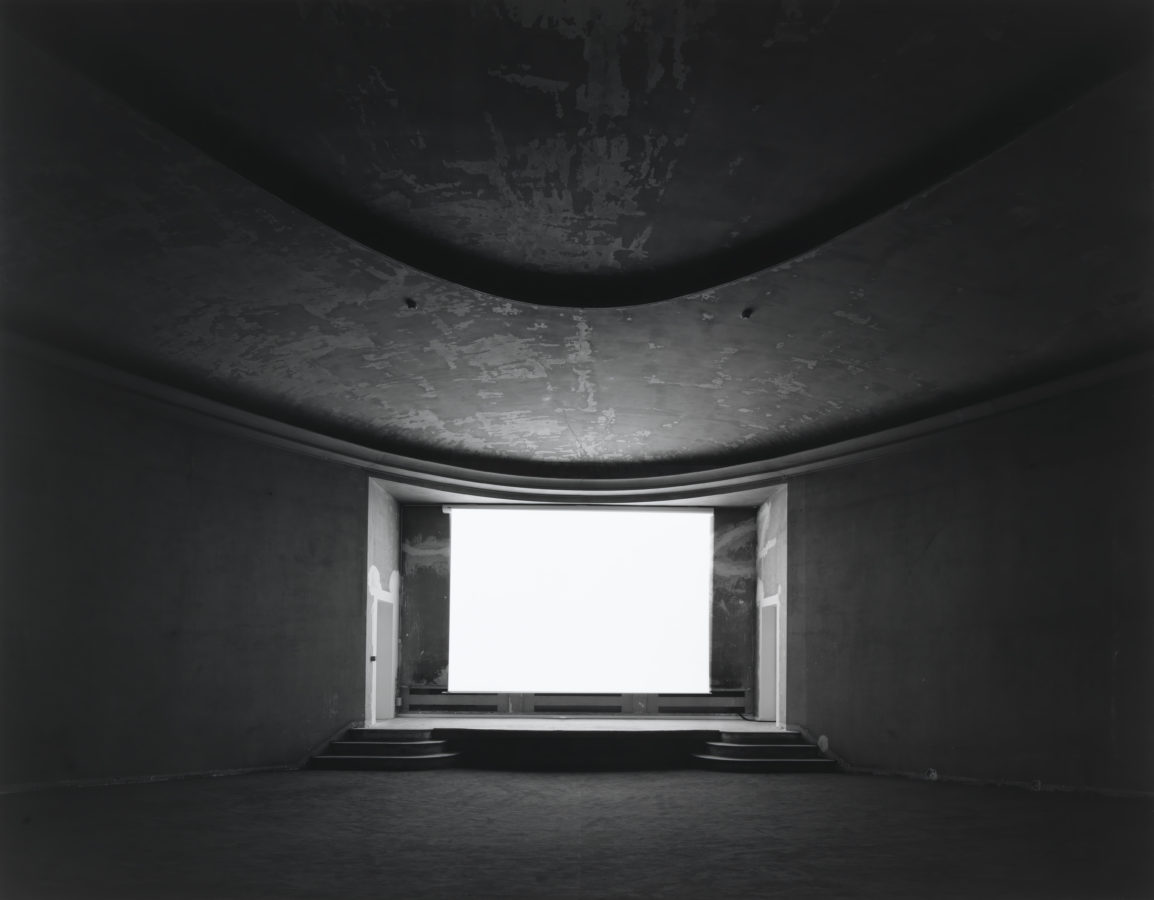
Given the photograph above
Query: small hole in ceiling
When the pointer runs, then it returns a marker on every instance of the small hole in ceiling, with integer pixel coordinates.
(410, 303)
(747, 312)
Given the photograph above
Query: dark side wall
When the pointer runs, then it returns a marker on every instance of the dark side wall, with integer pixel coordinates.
(424, 644)
(425, 597)
(983, 604)
(174, 599)
(733, 625)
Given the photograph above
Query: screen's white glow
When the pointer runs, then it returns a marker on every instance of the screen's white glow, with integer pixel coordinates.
(580, 600)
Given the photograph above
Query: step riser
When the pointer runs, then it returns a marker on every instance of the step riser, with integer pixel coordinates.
(763, 751)
(394, 748)
(380, 734)
(384, 763)
(762, 737)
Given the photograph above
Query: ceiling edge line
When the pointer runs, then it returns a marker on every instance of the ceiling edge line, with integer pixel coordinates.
(475, 482)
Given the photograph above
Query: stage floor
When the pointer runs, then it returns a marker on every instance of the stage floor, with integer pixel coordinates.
(576, 723)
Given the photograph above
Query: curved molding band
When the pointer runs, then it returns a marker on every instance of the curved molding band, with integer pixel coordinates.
(725, 485)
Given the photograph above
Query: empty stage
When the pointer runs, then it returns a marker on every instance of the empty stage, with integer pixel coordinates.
(577, 724)
(573, 742)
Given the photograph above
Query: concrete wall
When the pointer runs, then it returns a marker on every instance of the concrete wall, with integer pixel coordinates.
(173, 599)
(425, 607)
(983, 604)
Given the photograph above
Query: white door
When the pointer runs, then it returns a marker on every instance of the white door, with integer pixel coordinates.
(767, 659)
(381, 633)
(385, 666)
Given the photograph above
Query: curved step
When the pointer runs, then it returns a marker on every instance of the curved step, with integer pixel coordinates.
(726, 764)
(387, 734)
(763, 737)
(432, 761)
(386, 748)
(762, 751)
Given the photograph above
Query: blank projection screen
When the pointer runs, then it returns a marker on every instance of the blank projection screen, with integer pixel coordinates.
(580, 600)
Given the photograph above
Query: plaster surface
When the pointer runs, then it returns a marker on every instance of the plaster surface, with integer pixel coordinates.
(981, 607)
(173, 600)
(157, 251)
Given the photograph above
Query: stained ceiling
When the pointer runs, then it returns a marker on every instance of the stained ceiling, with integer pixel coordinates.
(582, 237)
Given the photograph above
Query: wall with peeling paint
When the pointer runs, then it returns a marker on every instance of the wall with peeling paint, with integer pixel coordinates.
(772, 600)
(733, 660)
(382, 598)
(424, 596)
(425, 601)
(981, 604)
(438, 121)
(175, 599)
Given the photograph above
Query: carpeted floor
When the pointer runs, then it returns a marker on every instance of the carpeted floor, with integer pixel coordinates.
(475, 834)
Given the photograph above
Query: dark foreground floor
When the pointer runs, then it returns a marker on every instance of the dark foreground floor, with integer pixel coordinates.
(470, 834)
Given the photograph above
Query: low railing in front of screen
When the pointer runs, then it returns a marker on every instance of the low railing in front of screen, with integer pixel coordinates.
(438, 701)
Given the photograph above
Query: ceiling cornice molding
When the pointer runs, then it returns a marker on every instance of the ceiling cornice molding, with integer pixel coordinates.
(463, 481)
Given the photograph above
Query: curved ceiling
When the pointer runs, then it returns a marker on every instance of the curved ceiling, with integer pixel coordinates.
(594, 154)
(426, 227)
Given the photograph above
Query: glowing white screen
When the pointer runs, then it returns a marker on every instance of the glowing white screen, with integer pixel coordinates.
(577, 600)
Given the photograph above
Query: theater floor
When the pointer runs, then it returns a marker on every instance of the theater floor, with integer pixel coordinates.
(462, 833)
